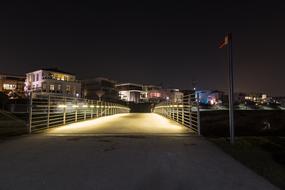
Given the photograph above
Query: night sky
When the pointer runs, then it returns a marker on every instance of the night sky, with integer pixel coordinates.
(158, 43)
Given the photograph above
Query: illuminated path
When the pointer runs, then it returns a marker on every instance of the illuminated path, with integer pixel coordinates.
(121, 124)
(67, 159)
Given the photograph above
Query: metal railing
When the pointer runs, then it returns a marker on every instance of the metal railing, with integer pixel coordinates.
(47, 111)
(185, 112)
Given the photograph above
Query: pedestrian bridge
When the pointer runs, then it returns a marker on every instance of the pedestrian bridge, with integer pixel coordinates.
(69, 115)
(123, 124)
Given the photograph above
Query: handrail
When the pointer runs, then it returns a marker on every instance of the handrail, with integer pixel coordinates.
(185, 112)
(47, 111)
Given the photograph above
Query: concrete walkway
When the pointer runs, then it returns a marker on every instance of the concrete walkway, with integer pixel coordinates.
(120, 124)
(141, 161)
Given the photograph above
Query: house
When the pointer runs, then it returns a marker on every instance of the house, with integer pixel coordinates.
(12, 85)
(52, 81)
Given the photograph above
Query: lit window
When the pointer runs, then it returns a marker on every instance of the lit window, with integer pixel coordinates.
(30, 78)
(59, 87)
(9, 86)
(51, 87)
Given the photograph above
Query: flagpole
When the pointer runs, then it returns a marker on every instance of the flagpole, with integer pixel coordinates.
(231, 88)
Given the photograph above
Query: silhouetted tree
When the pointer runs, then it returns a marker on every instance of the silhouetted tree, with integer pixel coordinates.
(3, 99)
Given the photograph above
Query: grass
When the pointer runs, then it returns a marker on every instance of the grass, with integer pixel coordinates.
(247, 123)
(264, 155)
(11, 125)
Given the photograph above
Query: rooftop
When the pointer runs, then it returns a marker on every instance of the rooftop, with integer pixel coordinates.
(56, 70)
(129, 84)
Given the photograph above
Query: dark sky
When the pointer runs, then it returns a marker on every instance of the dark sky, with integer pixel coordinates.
(170, 43)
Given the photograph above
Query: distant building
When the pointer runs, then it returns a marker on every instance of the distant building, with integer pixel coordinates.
(131, 92)
(154, 93)
(93, 88)
(187, 92)
(258, 98)
(175, 95)
(12, 85)
(52, 81)
(211, 97)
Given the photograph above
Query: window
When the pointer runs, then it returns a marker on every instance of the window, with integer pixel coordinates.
(51, 87)
(44, 86)
(67, 88)
(33, 77)
(9, 86)
(30, 78)
(37, 77)
(59, 87)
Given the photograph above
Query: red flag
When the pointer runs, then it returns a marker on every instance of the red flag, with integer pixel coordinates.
(225, 42)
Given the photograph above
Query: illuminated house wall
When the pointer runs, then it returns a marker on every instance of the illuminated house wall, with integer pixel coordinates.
(131, 92)
(12, 85)
(176, 96)
(52, 81)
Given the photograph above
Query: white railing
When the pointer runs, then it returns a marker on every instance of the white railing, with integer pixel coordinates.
(47, 111)
(185, 112)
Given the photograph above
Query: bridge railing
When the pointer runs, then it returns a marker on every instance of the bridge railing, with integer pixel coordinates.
(185, 112)
(47, 111)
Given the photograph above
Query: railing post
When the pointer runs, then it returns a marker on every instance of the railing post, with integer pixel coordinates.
(100, 108)
(85, 108)
(182, 113)
(48, 111)
(190, 110)
(172, 112)
(64, 111)
(167, 110)
(76, 110)
(177, 113)
(198, 115)
(104, 110)
(97, 109)
(30, 113)
(92, 107)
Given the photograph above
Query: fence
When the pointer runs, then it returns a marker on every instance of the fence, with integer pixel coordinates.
(186, 112)
(47, 111)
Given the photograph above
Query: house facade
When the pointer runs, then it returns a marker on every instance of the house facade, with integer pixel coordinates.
(52, 81)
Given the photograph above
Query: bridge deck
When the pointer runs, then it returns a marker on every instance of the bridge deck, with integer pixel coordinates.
(121, 124)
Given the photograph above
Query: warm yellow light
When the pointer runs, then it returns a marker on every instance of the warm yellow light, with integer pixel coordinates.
(75, 106)
(92, 106)
(146, 123)
(62, 106)
(85, 106)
